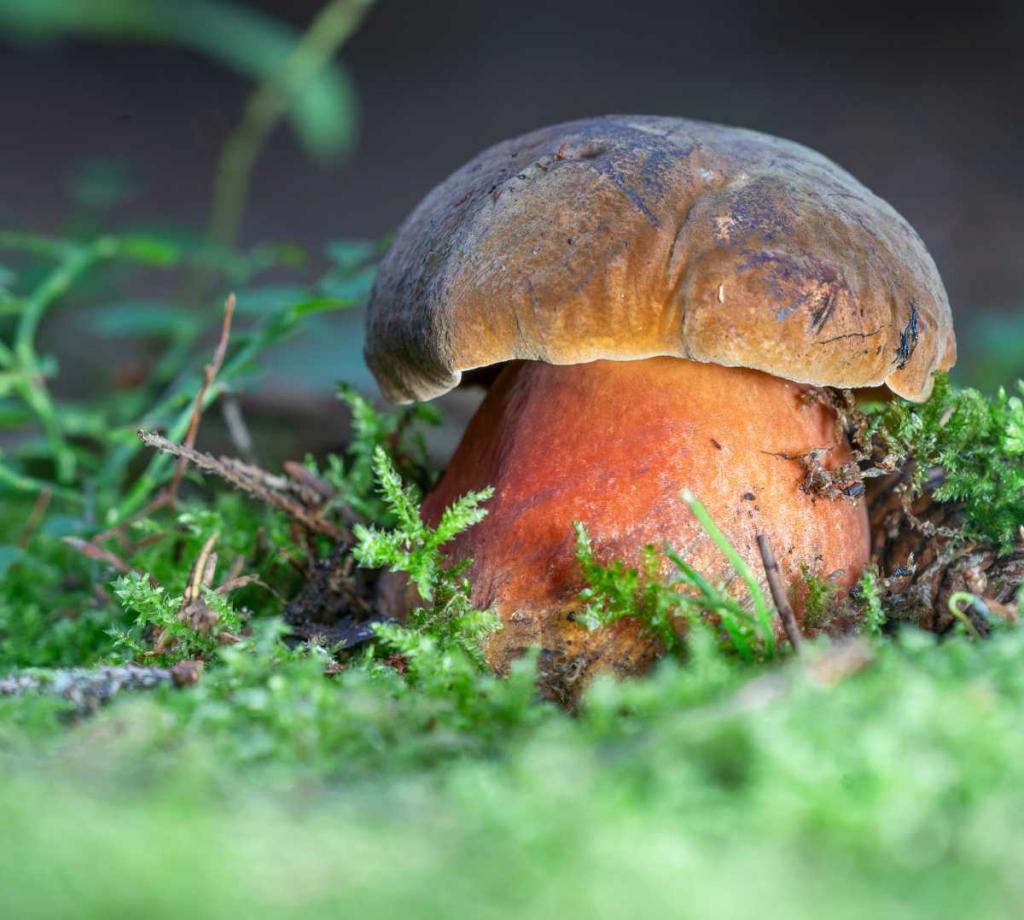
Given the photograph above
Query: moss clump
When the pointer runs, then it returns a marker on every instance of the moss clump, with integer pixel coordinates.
(977, 445)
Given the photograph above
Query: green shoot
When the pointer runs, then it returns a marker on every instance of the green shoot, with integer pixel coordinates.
(869, 592)
(762, 610)
(413, 547)
(664, 606)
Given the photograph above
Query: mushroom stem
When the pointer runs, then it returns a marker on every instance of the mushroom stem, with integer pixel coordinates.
(612, 444)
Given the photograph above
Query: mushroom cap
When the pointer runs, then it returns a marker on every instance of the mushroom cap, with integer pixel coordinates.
(628, 237)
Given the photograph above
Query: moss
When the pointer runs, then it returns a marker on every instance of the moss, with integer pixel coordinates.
(978, 444)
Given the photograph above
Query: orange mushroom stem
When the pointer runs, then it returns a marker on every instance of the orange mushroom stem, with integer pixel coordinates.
(612, 444)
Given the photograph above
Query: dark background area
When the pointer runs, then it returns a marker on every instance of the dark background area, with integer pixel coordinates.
(923, 104)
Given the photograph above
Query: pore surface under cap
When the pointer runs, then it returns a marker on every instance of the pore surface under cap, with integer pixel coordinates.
(630, 237)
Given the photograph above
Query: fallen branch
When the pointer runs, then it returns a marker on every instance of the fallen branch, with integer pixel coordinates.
(771, 570)
(87, 689)
(283, 493)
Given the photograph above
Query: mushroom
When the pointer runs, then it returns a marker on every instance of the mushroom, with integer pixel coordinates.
(656, 301)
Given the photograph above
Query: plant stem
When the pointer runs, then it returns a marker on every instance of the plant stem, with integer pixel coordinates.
(74, 263)
(331, 28)
(23, 359)
(782, 604)
(764, 615)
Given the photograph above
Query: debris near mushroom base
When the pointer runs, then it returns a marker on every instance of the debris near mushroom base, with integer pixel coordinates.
(936, 561)
(930, 565)
(931, 557)
(334, 606)
(945, 488)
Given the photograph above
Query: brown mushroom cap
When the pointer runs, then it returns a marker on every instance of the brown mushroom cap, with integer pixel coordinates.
(631, 237)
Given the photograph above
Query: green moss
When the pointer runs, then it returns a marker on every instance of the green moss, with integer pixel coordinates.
(979, 444)
(821, 592)
(268, 789)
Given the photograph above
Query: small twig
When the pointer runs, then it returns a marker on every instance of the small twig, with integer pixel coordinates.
(98, 554)
(236, 568)
(169, 495)
(251, 479)
(209, 375)
(771, 570)
(243, 581)
(92, 550)
(307, 478)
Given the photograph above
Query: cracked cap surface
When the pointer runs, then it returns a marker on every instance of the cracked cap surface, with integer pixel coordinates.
(630, 237)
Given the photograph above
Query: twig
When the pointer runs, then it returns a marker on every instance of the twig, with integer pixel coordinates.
(98, 554)
(169, 495)
(89, 689)
(92, 550)
(209, 375)
(248, 478)
(771, 570)
(308, 478)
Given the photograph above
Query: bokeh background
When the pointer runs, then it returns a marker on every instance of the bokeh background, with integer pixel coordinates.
(922, 103)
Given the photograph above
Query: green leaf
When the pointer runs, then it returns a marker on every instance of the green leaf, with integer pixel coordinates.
(149, 250)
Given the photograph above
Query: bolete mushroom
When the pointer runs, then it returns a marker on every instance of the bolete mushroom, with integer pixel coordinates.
(655, 299)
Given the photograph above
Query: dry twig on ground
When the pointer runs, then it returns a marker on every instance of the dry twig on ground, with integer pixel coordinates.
(286, 494)
(87, 689)
(774, 576)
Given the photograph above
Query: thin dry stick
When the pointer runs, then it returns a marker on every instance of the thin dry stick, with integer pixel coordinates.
(209, 375)
(93, 548)
(169, 495)
(103, 555)
(251, 479)
(98, 554)
(771, 570)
